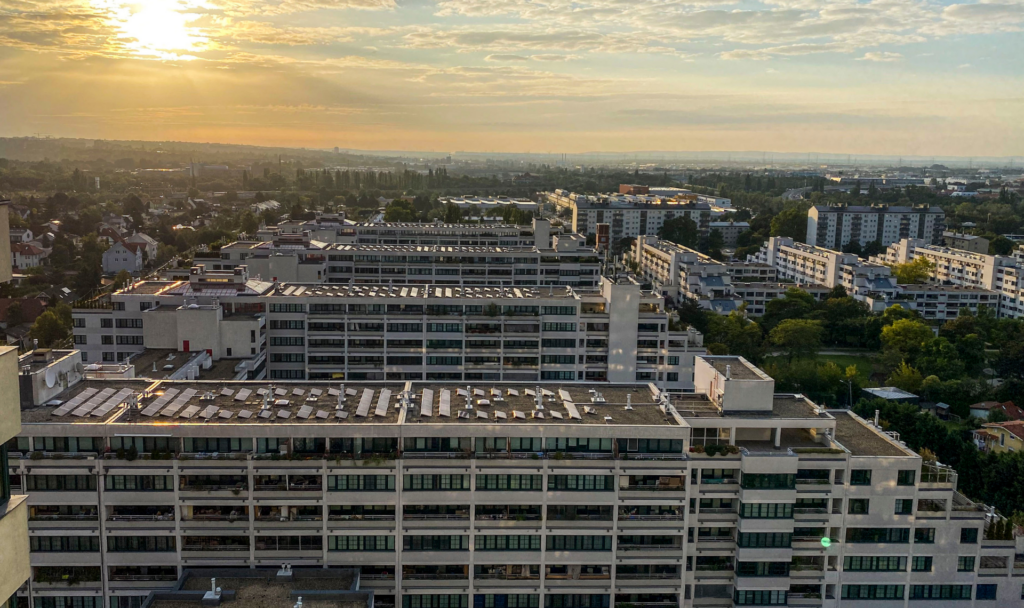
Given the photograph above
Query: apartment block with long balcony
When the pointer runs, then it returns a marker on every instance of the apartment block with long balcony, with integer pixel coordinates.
(14, 556)
(485, 494)
(613, 333)
(1001, 276)
(629, 215)
(836, 226)
(683, 273)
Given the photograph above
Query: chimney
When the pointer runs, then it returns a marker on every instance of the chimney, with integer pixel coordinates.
(876, 418)
(728, 372)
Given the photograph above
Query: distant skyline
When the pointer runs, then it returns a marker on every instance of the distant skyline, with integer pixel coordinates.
(877, 77)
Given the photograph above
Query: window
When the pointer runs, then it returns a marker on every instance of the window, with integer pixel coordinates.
(943, 592)
(287, 308)
(766, 510)
(520, 600)
(128, 323)
(874, 563)
(965, 563)
(435, 601)
(205, 445)
(924, 535)
(132, 544)
(435, 482)
(858, 506)
(79, 322)
(287, 324)
(287, 341)
(509, 482)
(767, 481)
(873, 592)
(138, 483)
(765, 539)
(5, 476)
(59, 544)
(361, 483)
(442, 542)
(860, 477)
(132, 340)
(968, 536)
(985, 592)
(760, 598)
(906, 478)
(559, 327)
(81, 339)
(904, 506)
(921, 564)
(109, 323)
(60, 483)
(523, 542)
(361, 543)
(877, 535)
(761, 568)
(582, 483)
(579, 543)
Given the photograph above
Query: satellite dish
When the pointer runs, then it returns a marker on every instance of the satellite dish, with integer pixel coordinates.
(51, 377)
(79, 367)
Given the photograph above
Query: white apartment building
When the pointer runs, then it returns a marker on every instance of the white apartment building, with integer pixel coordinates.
(297, 258)
(500, 494)
(479, 205)
(680, 272)
(628, 215)
(730, 231)
(835, 226)
(613, 333)
(1003, 275)
(868, 281)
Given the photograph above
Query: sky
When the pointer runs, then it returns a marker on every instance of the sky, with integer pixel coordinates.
(912, 77)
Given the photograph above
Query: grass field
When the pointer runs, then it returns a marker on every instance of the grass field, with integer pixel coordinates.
(865, 364)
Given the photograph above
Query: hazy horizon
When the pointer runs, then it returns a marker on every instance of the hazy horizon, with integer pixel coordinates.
(877, 77)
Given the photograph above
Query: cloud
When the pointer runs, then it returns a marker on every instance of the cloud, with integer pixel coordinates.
(881, 56)
(506, 58)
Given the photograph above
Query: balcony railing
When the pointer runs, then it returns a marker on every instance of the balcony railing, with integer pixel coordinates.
(64, 518)
(143, 577)
(435, 577)
(436, 516)
(678, 517)
(215, 548)
(141, 518)
(361, 518)
(503, 577)
(652, 547)
(638, 577)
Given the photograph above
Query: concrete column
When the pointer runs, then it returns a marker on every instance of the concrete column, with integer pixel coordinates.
(732, 436)
(778, 436)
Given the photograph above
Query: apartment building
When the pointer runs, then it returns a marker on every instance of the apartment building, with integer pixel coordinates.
(730, 231)
(967, 242)
(629, 215)
(14, 546)
(836, 226)
(612, 333)
(500, 494)
(479, 205)
(680, 272)
(1003, 275)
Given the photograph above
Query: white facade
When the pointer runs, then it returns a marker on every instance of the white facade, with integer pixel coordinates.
(834, 227)
(118, 257)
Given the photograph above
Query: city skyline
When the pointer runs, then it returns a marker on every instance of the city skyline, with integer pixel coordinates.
(885, 77)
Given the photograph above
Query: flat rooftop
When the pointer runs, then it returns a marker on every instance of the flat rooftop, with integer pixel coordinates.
(262, 589)
(862, 440)
(377, 290)
(737, 369)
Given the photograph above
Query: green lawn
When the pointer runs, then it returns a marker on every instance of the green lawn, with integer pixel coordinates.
(865, 364)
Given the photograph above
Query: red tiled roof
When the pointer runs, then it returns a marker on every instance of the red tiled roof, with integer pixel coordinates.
(26, 249)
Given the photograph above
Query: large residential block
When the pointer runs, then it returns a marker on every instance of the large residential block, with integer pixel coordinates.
(629, 215)
(836, 226)
(1001, 275)
(614, 332)
(500, 494)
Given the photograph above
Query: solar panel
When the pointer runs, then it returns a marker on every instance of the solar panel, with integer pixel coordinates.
(74, 402)
(113, 402)
(316, 392)
(496, 392)
(538, 414)
(284, 414)
(280, 392)
(225, 414)
(333, 392)
(159, 402)
(427, 403)
(93, 402)
(500, 415)
(227, 392)
(382, 403)
(266, 414)
(210, 412)
(480, 414)
(444, 408)
(244, 414)
(322, 414)
(243, 394)
(298, 392)
(518, 414)
(304, 412)
(530, 392)
(364, 403)
(261, 391)
(190, 411)
(461, 392)
(341, 415)
(571, 408)
(564, 395)
(555, 414)
(513, 392)
(351, 392)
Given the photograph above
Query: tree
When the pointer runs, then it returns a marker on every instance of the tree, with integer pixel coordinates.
(872, 248)
(48, 329)
(794, 304)
(799, 337)
(122, 280)
(906, 377)
(740, 335)
(904, 339)
(15, 315)
(715, 243)
(680, 230)
(452, 213)
(1000, 246)
(136, 209)
(249, 223)
(940, 358)
(918, 270)
(791, 222)
(400, 211)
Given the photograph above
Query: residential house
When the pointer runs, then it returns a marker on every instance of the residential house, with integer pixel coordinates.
(984, 410)
(20, 235)
(123, 256)
(109, 234)
(24, 255)
(148, 242)
(53, 226)
(1001, 436)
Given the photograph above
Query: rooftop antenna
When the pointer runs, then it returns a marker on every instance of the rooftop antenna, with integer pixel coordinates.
(266, 398)
(629, 401)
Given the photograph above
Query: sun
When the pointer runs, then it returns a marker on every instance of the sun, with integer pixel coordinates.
(156, 29)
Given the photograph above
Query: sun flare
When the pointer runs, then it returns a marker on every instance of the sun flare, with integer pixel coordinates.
(157, 29)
